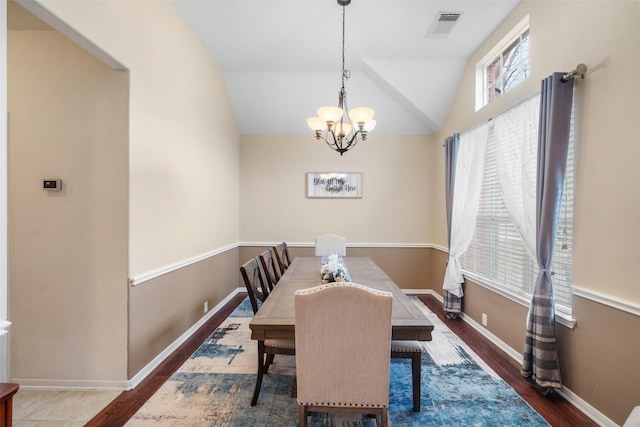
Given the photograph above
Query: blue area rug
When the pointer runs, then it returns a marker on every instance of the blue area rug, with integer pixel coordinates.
(214, 387)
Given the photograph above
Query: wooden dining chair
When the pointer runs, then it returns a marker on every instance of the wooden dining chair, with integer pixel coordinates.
(255, 282)
(329, 244)
(281, 252)
(258, 290)
(270, 268)
(343, 340)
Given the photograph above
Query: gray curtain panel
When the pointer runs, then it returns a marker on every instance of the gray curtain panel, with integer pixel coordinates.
(540, 362)
(452, 304)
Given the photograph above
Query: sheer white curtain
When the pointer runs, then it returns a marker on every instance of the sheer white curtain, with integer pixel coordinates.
(469, 171)
(516, 138)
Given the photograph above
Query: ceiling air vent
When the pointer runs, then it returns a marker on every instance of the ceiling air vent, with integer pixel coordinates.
(443, 25)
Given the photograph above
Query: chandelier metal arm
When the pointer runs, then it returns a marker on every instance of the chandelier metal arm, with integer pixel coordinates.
(338, 143)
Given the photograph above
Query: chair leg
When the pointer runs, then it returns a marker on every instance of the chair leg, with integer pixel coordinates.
(269, 362)
(256, 390)
(302, 416)
(416, 362)
(384, 417)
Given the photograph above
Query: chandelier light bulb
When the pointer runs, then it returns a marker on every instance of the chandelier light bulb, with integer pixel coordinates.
(316, 124)
(369, 126)
(342, 129)
(361, 115)
(330, 114)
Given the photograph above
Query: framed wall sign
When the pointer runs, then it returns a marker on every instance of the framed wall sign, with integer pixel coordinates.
(334, 184)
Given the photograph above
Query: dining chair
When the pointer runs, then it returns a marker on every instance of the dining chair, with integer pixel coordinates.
(281, 252)
(271, 270)
(410, 350)
(258, 290)
(329, 244)
(255, 282)
(343, 340)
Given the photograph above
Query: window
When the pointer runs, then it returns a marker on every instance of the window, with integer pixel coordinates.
(498, 257)
(507, 69)
(504, 67)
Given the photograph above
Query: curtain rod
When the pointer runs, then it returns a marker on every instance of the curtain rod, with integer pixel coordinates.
(580, 70)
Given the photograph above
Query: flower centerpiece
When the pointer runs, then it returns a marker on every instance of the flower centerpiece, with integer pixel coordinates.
(333, 270)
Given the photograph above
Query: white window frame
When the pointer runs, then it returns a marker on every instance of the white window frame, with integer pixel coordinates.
(482, 65)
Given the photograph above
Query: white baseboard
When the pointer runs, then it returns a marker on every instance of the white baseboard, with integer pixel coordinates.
(585, 408)
(79, 385)
(571, 397)
(493, 338)
(567, 394)
(144, 372)
(69, 385)
(423, 292)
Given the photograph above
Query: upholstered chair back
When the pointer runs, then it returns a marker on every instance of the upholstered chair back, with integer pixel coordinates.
(343, 338)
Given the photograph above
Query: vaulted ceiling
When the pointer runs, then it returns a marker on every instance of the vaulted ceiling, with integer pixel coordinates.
(282, 59)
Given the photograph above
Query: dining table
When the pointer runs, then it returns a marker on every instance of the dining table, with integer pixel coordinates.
(276, 317)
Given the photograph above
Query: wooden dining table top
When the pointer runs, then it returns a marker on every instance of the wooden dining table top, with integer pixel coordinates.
(276, 317)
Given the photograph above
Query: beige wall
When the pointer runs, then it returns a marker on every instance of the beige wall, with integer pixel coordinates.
(397, 175)
(68, 249)
(601, 34)
(409, 268)
(595, 356)
(162, 309)
(174, 188)
(183, 137)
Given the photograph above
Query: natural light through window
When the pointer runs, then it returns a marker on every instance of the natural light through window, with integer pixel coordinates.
(504, 67)
(498, 256)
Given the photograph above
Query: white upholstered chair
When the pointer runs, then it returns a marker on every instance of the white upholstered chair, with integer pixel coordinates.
(343, 340)
(329, 244)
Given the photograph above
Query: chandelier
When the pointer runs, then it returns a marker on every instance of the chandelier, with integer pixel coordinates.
(342, 134)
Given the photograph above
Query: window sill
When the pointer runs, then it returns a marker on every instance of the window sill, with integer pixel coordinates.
(562, 318)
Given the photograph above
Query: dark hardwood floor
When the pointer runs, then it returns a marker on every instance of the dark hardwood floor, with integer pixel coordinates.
(123, 407)
(555, 409)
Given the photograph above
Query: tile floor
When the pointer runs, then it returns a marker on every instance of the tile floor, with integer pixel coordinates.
(58, 408)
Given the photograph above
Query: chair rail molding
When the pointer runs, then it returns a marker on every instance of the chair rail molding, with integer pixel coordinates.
(141, 278)
(138, 279)
(608, 300)
(352, 245)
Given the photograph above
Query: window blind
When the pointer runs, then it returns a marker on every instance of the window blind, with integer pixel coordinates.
(498, 255)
